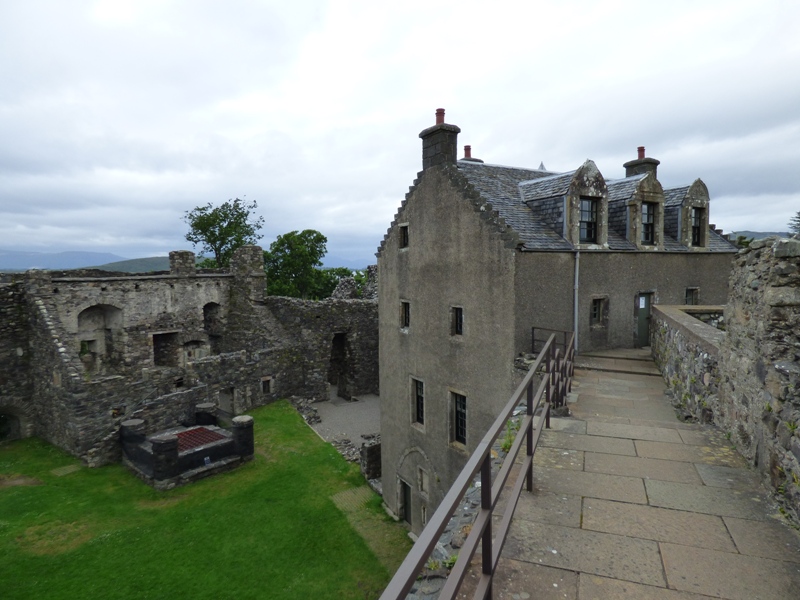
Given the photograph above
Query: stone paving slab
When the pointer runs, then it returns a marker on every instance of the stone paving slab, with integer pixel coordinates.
(646, 468)
(517, 580)
(768, 539)
(723, 456)
(569, 441)
(727, 575)
(748, 504)
(728, 477)
(592, 587)
(558, 458)
(549, 507)
(594, 485)
(702, 437)
(657, 524)
(568, 425)
(586, 551)
(634, 432)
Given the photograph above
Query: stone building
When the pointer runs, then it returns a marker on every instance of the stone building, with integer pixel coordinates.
(479, 255)
(82, 351)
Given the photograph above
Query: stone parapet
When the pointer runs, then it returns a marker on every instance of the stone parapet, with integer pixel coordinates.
(686, 351)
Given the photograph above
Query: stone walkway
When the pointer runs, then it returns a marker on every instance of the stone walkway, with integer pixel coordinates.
(631, 503)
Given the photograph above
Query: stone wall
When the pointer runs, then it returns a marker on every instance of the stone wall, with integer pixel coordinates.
(686, 351)
(747, 379)
(16, 413)
(760, 362)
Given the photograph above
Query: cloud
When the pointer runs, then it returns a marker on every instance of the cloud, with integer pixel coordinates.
(116, 116)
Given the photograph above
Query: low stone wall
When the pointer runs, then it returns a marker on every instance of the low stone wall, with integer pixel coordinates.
(686, 351)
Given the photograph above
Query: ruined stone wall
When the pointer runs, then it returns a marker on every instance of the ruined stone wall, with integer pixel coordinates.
(323, 328)
(686, 351)
(82, 351)
(17, 413)
(760, 362)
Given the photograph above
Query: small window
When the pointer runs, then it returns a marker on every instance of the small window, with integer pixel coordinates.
(418, 392)
(459, 418)
(405, 314)
(692, 296)
(648, 223)
(456, 320)
(404, 236)
(597, 316)
(266, 385)
(697, 227)
(423, 481)
(588, 221)
(424, 515)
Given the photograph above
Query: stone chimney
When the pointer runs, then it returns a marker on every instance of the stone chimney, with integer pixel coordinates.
(641, 165)
(468, 155)
(439, 143)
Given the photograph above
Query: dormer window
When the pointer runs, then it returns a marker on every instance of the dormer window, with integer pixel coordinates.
(648, 223)
(588, 221)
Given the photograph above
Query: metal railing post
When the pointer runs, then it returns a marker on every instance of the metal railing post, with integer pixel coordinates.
(486, 504)
(529, 480)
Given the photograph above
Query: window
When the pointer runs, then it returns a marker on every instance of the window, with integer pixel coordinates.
(692, 295)
(423, 480)
(597, 316)
(456, 320)
(460, 418)
(404, 236)
(697, 227)
(266, 385)
(588, 221)
(648, 223)
(418, 393)
(405, 314)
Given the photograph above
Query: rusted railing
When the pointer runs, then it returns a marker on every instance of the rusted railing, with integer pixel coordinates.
(552, 390)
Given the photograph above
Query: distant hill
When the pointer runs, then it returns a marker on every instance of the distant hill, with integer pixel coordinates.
(12, 260)
(757, 235)
(138, 265)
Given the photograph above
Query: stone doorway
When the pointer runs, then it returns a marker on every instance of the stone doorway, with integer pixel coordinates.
(10, 426)
(340, 368)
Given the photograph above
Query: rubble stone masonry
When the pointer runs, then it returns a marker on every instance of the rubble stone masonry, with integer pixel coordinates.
(747, 379)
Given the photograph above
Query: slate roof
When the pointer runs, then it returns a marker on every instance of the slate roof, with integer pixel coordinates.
(675, 196)
(508, 189)
(622, 189)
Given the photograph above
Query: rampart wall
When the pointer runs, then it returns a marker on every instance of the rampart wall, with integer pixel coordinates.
(746, 380)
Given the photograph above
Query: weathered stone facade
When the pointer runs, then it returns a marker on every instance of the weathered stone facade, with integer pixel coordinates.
(82, 351)
(746, 379)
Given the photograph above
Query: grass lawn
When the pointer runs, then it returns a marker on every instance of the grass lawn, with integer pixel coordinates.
(269, 529)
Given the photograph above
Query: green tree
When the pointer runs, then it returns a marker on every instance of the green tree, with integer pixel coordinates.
(794, 224)
(292, 263)
(328, 279)
(222, 229)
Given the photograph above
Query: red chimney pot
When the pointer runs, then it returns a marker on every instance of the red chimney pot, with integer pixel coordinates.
(641, 152)
(467, 151)
(439, 116)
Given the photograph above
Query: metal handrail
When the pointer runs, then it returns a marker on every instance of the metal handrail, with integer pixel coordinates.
(553, 388)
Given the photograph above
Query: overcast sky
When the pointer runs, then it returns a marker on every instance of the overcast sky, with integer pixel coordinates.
(118, 116)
